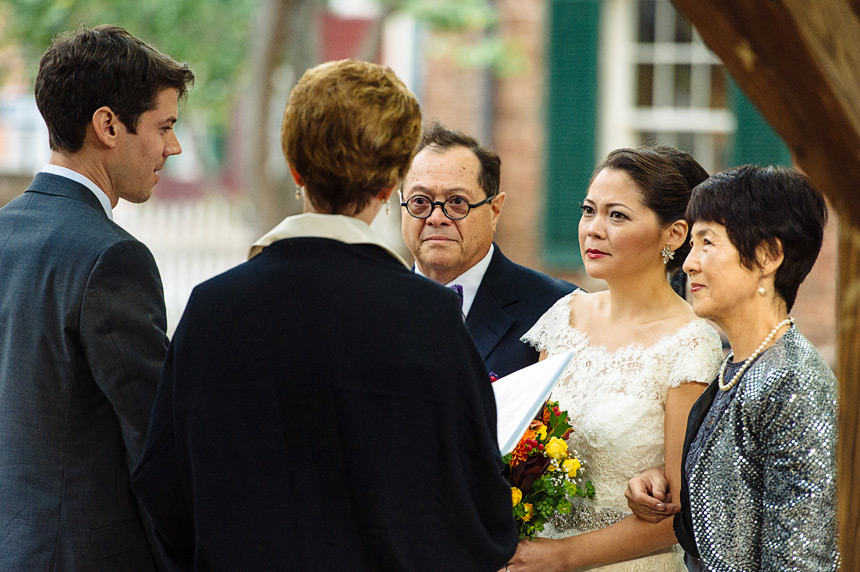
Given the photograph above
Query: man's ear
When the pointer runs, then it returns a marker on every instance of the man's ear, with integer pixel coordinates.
(106, 126)
(496, 206)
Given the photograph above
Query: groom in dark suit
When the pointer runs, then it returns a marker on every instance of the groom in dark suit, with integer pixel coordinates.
(453, 245)
(82, 317)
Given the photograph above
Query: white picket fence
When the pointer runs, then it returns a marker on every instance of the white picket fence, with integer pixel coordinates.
(191, 240)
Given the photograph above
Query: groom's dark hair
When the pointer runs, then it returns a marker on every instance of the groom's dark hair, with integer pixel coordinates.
(97, 67)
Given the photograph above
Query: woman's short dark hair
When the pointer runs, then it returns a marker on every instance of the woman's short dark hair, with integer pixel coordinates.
(102, 66)
(662, 188)
(439, 138)
(759, 206)
(350, 129)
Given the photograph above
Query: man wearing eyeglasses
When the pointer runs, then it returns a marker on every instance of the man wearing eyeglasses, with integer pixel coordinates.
(452, 205)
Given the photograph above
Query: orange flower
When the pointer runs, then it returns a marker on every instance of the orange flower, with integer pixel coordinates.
(520, 454)
(546, 414)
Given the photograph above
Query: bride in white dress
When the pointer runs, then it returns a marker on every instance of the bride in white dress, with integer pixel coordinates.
(642, 359)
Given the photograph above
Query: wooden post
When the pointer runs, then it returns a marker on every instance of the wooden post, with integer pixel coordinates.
(849, 412)
(799, 63)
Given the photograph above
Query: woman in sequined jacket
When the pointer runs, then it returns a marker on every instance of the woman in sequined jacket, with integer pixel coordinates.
(758, 490)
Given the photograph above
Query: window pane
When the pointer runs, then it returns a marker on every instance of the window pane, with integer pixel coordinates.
(686, 142)
(719, 100)
(646, 21)
(682, 85)
(644, 85)
(683, 30)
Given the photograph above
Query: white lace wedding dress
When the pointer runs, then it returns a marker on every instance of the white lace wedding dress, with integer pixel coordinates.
(615, 401)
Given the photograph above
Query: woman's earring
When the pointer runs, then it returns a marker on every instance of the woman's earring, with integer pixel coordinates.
(299, 190)
(761, 290)
(388, 207)
(667, 253)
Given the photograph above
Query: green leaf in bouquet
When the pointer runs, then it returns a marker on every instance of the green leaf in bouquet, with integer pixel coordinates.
(564, 507)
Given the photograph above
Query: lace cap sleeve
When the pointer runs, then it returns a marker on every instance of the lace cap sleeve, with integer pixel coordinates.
(541, 336)
(698, 356)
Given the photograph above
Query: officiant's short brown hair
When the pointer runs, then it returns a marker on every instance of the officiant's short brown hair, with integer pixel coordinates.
(350, 129)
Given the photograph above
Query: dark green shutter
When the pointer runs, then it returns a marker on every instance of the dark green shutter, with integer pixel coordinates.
(754, 142)
(571, 123)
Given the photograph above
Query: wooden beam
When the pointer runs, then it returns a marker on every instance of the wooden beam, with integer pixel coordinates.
(799, 62)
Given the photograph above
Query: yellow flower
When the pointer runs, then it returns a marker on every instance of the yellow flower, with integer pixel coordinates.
(556, 449)
(516, 495)
(529, 511)
(553, 466)
(570, 466)
(541, 432)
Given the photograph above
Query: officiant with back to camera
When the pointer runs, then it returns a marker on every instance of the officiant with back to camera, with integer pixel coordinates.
(641, 359)
(322, 407)
(758, 490)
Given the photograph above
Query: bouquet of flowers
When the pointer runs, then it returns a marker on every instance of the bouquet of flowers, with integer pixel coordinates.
(544, 475)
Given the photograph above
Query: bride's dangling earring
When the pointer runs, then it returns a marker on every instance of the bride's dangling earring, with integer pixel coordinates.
(761, 290)
(299, 190)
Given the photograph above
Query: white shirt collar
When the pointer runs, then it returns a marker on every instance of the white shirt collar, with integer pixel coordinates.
(78, 178)
(346, 229)
(470, 280)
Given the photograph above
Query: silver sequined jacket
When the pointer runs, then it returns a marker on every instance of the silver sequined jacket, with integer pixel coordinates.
(763, 494)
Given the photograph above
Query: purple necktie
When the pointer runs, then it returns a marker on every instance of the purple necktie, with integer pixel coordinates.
(459, 290)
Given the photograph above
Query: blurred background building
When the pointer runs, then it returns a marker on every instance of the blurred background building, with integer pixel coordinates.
(551, 85)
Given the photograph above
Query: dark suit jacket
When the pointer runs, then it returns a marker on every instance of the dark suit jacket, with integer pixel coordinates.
(82, 340)
(509, 301)
(323, 408)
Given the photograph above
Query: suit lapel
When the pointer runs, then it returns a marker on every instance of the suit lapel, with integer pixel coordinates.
(488, 321)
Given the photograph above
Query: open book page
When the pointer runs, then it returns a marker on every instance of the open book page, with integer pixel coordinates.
(520, 395)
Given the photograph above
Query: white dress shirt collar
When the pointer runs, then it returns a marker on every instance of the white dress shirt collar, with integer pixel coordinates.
(470, 280)
(346, 229)
(78, 178)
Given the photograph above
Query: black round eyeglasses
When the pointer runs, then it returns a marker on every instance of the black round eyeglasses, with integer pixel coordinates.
(454, 207)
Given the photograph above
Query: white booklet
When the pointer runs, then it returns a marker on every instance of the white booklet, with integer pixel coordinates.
(520, 395)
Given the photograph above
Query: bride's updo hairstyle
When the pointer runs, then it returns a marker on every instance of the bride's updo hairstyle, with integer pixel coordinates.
(662, 187)
(350, 129)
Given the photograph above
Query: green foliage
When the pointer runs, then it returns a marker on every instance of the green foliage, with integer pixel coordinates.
(486, 49)
(453, 15)
(210, 36)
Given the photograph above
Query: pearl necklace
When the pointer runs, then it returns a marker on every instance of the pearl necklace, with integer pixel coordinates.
(722, 380)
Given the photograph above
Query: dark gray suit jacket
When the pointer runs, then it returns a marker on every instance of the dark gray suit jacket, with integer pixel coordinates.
(82, 342)
(509, 301)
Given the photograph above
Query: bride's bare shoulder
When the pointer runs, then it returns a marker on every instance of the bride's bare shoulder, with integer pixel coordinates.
(585, 305)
